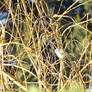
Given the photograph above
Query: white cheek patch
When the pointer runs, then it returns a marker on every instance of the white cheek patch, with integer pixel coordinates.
(59, 53)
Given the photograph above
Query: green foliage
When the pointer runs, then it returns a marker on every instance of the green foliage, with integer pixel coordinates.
(75, 87)
(35, 89)
(33, 47)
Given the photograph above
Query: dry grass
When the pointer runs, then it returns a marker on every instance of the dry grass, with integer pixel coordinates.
(31, 46)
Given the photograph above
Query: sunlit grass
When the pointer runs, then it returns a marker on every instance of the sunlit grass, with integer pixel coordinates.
(32, 45)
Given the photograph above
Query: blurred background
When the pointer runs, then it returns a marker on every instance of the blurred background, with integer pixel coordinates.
(46, 43)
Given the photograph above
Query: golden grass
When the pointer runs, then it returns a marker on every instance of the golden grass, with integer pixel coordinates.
(36, 60)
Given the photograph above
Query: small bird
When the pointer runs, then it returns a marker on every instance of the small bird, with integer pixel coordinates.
(60, 53)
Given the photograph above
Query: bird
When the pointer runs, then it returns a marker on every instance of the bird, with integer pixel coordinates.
(60, 53)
